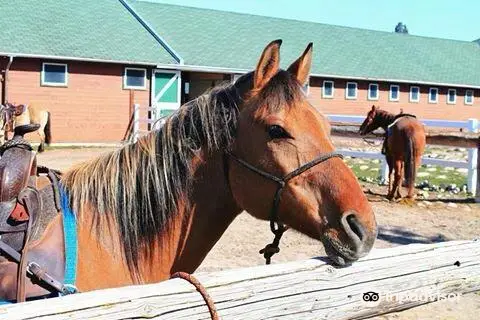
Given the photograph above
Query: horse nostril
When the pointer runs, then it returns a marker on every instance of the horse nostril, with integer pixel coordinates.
(350, 222)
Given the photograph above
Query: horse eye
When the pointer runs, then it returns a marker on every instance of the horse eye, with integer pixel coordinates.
(277, 132)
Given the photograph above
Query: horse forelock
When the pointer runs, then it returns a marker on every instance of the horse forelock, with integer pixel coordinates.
(282, 91)
(141, 185)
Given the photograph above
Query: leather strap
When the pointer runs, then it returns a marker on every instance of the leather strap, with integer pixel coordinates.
(31, 201)
(35, 270)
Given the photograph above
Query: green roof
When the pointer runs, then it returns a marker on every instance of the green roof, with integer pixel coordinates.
(87, 29)
(204, 37)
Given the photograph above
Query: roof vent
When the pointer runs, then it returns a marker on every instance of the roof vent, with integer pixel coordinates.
(401, 28)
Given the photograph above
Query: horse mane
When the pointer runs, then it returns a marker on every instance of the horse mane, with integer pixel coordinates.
(140, 185)
(384, 114)
(384, 118)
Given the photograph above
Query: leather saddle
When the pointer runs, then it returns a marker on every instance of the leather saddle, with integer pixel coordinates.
(21, 206)
(18, 172)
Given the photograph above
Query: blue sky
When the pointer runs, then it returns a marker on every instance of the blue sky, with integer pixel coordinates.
(458, 20)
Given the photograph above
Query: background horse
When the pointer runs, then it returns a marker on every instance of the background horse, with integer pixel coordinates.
(403, 146)
(159, 205)
(8, 113)
(17, 115)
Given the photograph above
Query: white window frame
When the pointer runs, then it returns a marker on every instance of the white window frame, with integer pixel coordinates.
(356, 90)
(306, 88)
(465, 99)
(390, 93)
(430, 95)
(454, 96)
(333, 89)
(411, 94)
(369, 95)
(54, 84)
(125, 86)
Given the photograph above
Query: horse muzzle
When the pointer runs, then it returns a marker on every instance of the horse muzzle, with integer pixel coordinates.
(354, 240)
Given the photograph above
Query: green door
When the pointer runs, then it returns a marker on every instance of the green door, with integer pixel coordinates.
(165, 93)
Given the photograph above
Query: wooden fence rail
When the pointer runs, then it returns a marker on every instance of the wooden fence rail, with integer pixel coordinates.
(402, 277)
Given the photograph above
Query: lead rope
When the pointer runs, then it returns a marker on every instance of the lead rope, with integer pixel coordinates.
(201, 289)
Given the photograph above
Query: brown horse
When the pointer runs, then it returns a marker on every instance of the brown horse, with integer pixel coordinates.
(17, 115)
(159, 205)
(403, 146)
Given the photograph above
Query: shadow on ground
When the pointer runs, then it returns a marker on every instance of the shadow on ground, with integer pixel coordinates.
(375, 196)
(399, 235)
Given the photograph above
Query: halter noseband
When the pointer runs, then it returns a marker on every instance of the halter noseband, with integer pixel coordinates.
(277, 228)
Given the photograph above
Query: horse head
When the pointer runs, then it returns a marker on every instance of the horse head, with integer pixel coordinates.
(8, 114)
(281, 136)
(369, 124)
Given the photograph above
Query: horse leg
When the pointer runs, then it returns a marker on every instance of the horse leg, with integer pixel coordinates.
(411, 187)
(398, 193)
(390, 164)
(41, 146)
(397, 180)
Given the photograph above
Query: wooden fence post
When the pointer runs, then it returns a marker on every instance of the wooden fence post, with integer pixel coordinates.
(384, 171)
(136, 121)
(477, 195)
(472, 160)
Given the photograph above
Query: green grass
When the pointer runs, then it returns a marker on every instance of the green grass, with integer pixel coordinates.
(436, 175)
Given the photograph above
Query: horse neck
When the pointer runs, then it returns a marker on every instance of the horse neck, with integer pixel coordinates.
(384, 119)
(196, 227)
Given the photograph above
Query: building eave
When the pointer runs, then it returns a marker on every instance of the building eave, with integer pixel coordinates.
(79, 59)
(196, 68)
(374, 79)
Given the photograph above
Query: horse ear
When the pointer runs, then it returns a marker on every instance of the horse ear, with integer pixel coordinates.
(301, 67)
(374, 108)
(268, 64)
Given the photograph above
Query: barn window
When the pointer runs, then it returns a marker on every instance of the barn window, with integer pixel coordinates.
(414, 94)
(373, 91)
(451, 96)
(394, 93)
(54, 74)
(469, 97)
(135, 78)
(351, 90)
(328, 89)
(433, 95)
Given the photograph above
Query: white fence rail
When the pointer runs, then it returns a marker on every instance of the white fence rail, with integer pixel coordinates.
(152, 121)
(471, 125)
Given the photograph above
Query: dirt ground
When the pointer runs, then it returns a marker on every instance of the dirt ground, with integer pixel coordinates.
(423, 222)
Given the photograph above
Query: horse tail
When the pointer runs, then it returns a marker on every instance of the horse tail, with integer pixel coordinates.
(410, 167)
(48, 129)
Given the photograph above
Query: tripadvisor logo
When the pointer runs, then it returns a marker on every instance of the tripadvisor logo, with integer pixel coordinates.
(372, 298)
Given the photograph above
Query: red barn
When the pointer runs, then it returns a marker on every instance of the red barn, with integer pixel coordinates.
(81, 59)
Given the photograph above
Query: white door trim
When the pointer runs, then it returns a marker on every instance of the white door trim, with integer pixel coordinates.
(162, 92)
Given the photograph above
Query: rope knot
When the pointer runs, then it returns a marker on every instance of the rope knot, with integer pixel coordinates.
(273, 248)
(269, 250)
